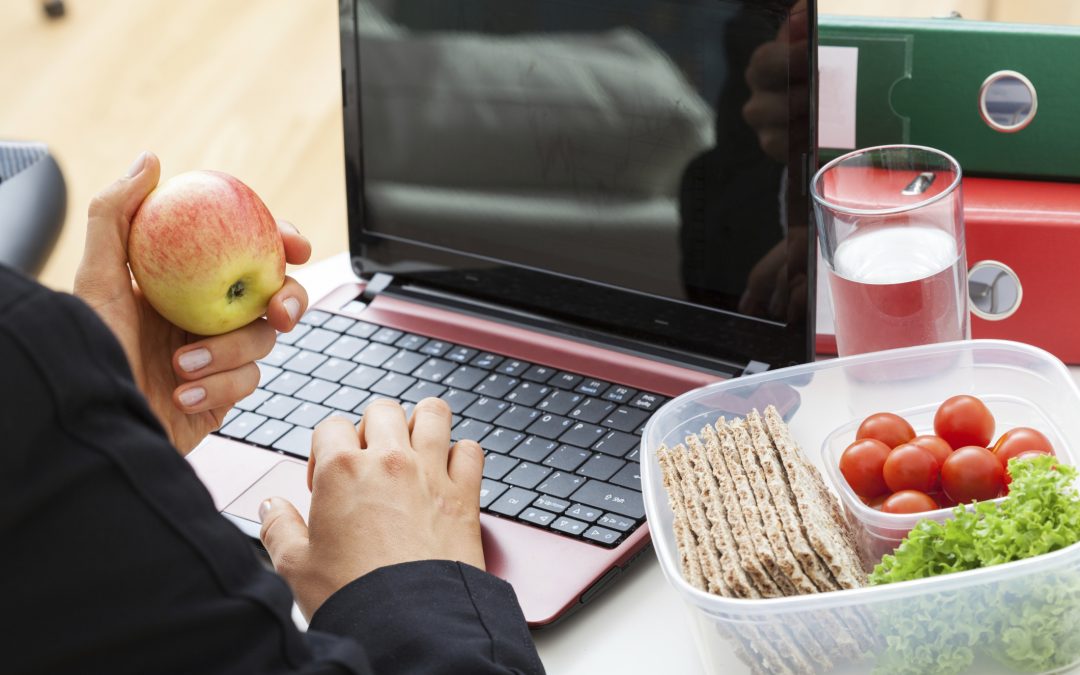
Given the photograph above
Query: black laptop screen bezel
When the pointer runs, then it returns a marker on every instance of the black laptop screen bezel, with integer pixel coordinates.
(706, 332)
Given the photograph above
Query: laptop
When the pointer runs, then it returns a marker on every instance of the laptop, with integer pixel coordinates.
(559, 218)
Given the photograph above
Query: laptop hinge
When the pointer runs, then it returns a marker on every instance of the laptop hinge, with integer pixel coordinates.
(378, 283)
(755, 367)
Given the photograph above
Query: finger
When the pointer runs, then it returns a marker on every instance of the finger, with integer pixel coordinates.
(430, 427)
(283, 531)
(217, 390)
(385, 427)
(769, 67)
(466, 468)
(287, 306)
(224, 352)
(103, 272)
(349, 442)
(297, 247)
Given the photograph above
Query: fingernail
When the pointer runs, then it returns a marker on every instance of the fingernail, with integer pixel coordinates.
(292, 307)
(137, 166)
(192, 396)
(195, 359)
(264, 509)
(290, 226)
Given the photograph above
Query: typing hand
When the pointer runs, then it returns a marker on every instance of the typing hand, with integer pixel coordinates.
(189, 381)
(391, 492)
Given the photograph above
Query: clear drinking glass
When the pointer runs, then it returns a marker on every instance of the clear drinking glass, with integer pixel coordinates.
(891, 231)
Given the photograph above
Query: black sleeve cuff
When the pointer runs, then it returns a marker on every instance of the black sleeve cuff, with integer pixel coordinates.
(432, 616)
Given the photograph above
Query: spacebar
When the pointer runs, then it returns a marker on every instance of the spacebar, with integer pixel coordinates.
(609, 497)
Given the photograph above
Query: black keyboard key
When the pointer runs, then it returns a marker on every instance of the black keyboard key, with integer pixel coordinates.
(561, 484)
(551, 503)
(486, 360)
(421, 390)
(346, 398)
(550, 426)
(317, 391)
(458, 400)
(592, 387)
(465, 377)
(279, 355)
(496, 466)
(602, 535)
(583, 435)
(602, 467)
(317, 340)
(386, 336)
(334, 369)
(471, 430)
(364, 377)
(486, 409)
(569, 525)
(525, 475)
(253, 400)
(315, 318)
(620, 394)
(513, 501)
(528, 393)
(565, 380)
(308, 415)
(583, 512)
(411, 342)
(513, 367)
(243, 425)
(609, 497)
(339, 323)
(287, 383)
(495, 386)
(560, 402)
(628, 476)
(268, 432)
(633, 455)
(434, 370)
(647, 401)
(460, 354)
(537, 516)
(374, 354)
(298, 331)
(615, 521)
(538, 374)
(362, 329)
(297, 441)
(534, 449)
(278, 407)
(502, 440)
(304, 362)
(393, 385)
(518, 417)
(404, 362)
(616, 443)
(436, 348)
(567, 458)
(345, 347)
(267, 373)
(490, 491)
(626, 419)
(592, 410)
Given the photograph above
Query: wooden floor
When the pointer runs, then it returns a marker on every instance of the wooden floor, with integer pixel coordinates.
(251, 87)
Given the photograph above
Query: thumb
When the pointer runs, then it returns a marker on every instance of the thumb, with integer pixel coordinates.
(283, 529)
(103, 271)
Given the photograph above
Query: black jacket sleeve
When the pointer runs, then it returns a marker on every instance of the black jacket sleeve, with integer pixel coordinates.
(114, 560)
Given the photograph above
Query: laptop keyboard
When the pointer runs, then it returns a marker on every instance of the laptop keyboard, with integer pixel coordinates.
(561, 449)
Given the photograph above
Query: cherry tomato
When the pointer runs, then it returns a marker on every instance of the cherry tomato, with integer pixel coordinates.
(964, 420)
(861, 465)
(876, 502)
(1027, 454)
(942, 500)
(972, 473)
(936, 445)
(890, 429)
(909, 501)
(1018, 441)
(910, 467)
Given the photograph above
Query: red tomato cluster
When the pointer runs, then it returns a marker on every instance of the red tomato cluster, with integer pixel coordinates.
(895, 471)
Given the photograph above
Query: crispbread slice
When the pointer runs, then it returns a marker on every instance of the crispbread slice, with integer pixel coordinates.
(684, 538)
(826, 530)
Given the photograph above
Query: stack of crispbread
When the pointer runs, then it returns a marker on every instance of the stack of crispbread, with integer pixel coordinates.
(754, 519)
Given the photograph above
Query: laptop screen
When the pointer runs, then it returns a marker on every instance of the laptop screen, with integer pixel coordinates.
(637, 167)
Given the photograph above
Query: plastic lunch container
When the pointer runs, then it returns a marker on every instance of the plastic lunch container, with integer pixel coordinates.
(1022, 616)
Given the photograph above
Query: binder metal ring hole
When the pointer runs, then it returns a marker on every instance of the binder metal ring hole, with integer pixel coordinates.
(994, 290)
(1008, 101)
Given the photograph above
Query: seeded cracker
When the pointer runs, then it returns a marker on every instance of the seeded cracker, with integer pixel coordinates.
(684, 539)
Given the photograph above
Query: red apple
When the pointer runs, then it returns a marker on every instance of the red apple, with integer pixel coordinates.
(206, 252)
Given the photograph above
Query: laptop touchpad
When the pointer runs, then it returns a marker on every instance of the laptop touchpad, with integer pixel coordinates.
(286, 479)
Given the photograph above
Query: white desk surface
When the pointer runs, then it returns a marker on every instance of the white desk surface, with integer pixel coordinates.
(639, 625)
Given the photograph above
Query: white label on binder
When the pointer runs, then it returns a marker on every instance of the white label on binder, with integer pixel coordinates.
(838, 70)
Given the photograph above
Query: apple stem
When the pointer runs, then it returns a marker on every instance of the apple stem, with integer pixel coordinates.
(236, 291)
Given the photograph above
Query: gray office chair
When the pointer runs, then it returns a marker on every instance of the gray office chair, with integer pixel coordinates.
(33, 202)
